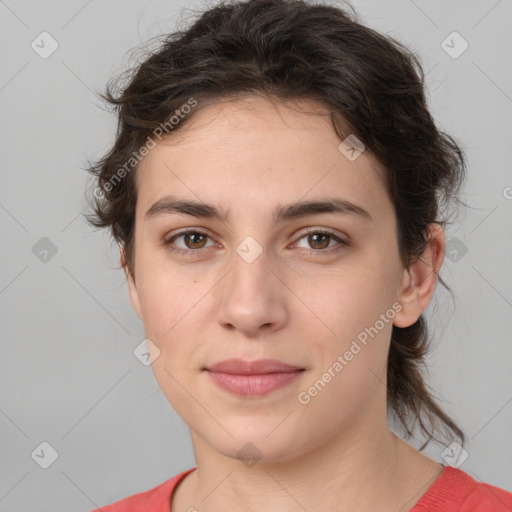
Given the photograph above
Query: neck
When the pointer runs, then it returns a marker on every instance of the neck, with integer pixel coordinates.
(364, 468)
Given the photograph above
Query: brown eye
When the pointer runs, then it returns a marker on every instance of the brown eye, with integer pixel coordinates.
(194, 240)
(319, 240)
(191, 242)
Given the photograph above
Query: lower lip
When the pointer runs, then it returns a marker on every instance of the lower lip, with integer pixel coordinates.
(253, 385)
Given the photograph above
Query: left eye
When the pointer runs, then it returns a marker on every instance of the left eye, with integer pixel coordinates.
(319, 240)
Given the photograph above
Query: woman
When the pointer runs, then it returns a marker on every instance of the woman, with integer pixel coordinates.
(277, 188)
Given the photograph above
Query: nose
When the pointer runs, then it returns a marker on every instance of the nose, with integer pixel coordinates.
(252, 298)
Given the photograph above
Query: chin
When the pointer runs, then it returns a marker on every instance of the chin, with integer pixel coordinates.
(252, 443)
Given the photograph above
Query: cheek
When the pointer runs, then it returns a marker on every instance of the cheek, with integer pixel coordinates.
(167, 295)
(175, 311)
(351, 354)
(346, 301)
(346, 381)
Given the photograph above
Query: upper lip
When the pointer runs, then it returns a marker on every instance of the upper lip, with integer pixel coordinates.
(258, 367)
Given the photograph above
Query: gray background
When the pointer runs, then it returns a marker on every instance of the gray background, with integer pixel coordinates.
(68, 375)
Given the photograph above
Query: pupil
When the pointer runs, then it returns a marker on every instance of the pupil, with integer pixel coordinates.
(193, 237)
(314, 237)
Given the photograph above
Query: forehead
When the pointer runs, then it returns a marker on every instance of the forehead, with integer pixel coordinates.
(257, 150)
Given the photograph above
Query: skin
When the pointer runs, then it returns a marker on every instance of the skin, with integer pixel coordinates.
(336, 452)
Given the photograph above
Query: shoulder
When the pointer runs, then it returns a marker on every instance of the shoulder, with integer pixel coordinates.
(157, 499)
(456, 490)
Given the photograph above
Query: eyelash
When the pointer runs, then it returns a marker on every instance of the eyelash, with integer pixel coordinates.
(168, 243)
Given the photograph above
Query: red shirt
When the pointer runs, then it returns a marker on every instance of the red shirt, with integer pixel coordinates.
(453, 491)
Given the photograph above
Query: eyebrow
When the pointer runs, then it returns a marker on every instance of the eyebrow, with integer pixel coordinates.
(170, 205)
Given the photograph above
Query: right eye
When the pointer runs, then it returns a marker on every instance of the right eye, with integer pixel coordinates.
(194, 240)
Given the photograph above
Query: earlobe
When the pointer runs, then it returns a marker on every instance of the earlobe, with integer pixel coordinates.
(132, 288)
(420, 279)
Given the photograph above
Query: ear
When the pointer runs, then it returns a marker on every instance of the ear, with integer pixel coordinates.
(419, 281)
(132, 288)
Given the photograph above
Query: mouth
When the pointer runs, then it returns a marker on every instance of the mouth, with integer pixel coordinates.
(257, 367)
(253, 378)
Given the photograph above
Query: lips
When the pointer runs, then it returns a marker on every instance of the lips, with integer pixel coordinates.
(253, 378)
(258, 367)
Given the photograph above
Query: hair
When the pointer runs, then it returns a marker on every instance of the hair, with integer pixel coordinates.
(286, 50)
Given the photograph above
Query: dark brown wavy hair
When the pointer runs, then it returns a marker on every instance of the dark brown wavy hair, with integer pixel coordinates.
(373, 87)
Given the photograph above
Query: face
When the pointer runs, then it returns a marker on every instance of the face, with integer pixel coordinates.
(263, 280)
